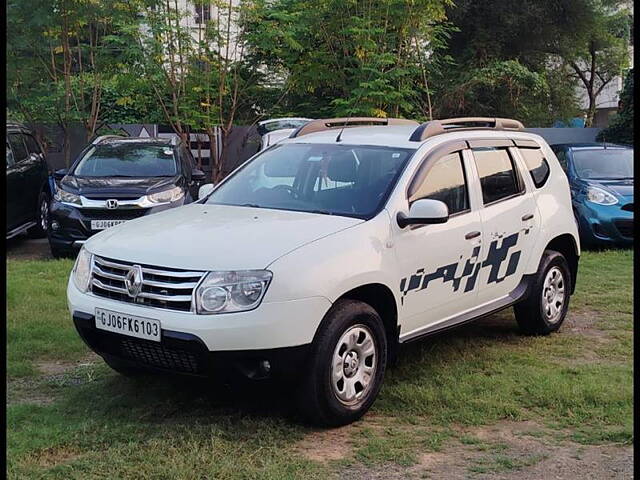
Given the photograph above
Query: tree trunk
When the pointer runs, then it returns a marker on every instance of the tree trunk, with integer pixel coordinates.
(591, 111)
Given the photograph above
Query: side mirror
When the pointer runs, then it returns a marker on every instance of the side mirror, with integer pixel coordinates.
(205, 190)
(424, 212)
(198, 175)
(59, 174)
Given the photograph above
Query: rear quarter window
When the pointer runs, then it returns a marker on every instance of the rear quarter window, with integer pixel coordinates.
(536, 164)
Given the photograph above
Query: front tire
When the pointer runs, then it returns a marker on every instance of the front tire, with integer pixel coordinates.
(346, 367)
(544, 310)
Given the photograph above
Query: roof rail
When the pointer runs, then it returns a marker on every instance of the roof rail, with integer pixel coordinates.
(102, 138)
(437, 127)
(330, 123)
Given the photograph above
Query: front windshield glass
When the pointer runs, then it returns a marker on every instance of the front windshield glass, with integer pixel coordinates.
(127, 160)
(333, 179)
(604, 163)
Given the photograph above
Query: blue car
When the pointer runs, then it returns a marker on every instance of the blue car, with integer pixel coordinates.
(601, 181)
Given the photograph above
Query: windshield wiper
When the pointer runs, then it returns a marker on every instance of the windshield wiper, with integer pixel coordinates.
(322, 212)
(253, 205)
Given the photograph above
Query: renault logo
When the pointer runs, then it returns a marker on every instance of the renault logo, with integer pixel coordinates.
(133, 281)
(112, 203)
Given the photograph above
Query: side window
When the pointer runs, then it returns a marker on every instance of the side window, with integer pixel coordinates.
(445, 181)
(32, 144)
(10, 161)
(498, 177)
(537, 165)
(17, 145)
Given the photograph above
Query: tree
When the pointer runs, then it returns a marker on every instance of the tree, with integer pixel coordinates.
(338, 58)
(620, 129)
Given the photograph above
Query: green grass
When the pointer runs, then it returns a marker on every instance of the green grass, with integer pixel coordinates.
(92, 423)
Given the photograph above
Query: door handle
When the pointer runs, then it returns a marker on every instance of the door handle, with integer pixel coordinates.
(527, 217)
(471, 235)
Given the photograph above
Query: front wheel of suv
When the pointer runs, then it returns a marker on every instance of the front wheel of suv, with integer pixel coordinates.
(347, 366)
(544, 310)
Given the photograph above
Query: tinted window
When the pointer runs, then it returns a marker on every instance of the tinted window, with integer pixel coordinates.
(127, 160)
(604, 163)
(32, 145)
(537, 165)
(445, 181)
(498, 178)
(17, 145)
(334, 179)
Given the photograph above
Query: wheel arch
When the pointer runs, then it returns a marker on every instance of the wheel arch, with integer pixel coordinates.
(567, 246)
(381, 299)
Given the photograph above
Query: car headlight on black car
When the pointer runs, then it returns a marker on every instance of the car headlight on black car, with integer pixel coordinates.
(600, 196)
(81, 272)
(66, 197)
(226, 292)
(165, 196)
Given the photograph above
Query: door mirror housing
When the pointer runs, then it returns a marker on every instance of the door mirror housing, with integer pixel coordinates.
(198, 175)
(424, 212)
(205, 190)
(59, 174)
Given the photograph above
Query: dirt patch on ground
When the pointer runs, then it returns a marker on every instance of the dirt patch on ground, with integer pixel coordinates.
(52, 456)
(326, 445)
(57, 367)
(25, 248)
(508, 451)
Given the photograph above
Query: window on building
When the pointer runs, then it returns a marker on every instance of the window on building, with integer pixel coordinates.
(203, 12)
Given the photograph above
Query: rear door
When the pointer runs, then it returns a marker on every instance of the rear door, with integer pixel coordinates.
(510, 220)
(35, 169)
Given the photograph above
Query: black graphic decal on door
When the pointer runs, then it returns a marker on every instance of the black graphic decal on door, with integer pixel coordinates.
(495, 257)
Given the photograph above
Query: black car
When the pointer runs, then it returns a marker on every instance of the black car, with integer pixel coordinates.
(115, 179)
(28, 191)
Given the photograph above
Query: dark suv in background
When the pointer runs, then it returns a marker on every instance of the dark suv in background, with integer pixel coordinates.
(28, 191)
(115, 179)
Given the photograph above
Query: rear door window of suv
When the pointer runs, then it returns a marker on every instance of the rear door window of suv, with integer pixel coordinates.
(445, 181)
(32, 144)
(537, 165)
(498, 177)
(18, 147)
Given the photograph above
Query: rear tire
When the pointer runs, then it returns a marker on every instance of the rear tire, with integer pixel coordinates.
(42, 217)
(544, 310)
(346, 367)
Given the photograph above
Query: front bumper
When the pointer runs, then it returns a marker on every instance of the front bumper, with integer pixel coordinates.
(278, 332)
(604, 225)
(70, 227)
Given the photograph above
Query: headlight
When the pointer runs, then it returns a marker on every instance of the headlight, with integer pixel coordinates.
(164, 196)
(66, 197)
(224, 292)
(601, 197)
(82, 270)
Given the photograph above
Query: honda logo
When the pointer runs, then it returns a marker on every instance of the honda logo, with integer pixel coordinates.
(112, 203)
(133, 281)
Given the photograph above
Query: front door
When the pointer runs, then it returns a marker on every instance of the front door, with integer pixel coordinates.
(439, 263)
(510, 222)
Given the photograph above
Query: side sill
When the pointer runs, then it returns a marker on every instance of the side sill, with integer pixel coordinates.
(518, 293)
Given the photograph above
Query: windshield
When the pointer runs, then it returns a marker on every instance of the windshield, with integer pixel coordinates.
(333, 179)
(604, 163)
(127, 160)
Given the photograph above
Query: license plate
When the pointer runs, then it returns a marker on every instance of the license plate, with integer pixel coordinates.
(103, 224)
(130, 325)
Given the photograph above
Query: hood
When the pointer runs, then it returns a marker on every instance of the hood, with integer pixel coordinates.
(622, 188)
(116, 187)
(214, 237)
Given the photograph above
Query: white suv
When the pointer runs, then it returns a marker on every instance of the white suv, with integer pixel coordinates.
(319, 256)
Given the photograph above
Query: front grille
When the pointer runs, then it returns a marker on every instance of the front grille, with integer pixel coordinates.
(625, 227)
(156, 355)
(628, 207)
(106, 196)
(161, 287)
